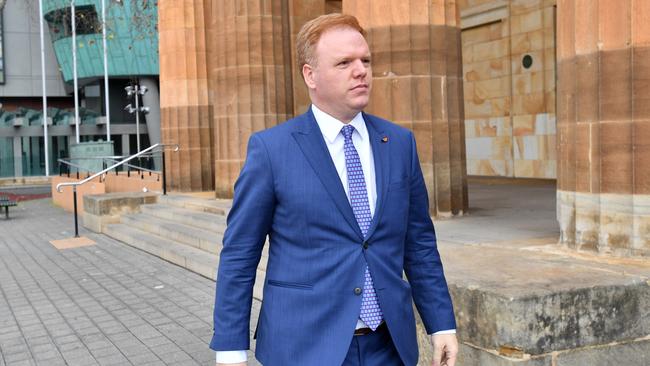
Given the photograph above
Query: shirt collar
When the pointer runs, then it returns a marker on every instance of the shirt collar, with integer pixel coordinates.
(331, 127)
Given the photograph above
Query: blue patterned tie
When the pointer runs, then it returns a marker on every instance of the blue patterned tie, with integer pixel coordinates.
(370, 311)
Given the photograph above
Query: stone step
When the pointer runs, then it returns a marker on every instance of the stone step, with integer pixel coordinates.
(207, 240)
(201, 220)
(193, 259)
(214, 206)
(201, 238)
(196, 260)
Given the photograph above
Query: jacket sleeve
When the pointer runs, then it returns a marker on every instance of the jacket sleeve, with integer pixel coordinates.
(422, 262)
(248, 224)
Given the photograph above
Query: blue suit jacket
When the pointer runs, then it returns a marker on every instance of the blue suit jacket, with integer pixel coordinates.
(290, 190)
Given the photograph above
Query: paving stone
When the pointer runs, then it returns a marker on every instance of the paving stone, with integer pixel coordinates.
(47, 357)
(630, 354)
(113, 360)
(11, 358)
(104, 352)
(92, 305)
(141, 358)
(21, 363)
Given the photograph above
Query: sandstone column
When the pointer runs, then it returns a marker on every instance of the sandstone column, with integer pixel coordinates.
(417, 73)
(185, 111)
(250, 77)
(300, 12)
(603, 101)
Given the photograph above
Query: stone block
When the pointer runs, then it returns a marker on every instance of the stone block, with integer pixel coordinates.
(502, 148)
(642, 157)
(522, 83)
(543, 315)
(100, 210)
(501, 106)
(614, 24)
(476, 35)
(493, 88)
(490, 50)
(523, 125)
(525, 6)
(504, 125)
(533, 103)
(486, 128)
(615, 85)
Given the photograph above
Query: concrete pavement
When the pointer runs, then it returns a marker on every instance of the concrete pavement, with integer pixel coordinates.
(104, 304)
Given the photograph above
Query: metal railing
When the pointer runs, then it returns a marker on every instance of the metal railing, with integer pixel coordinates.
(74, 185)
(104, 159)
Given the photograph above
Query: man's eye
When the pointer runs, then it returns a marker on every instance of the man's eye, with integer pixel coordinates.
(366, 61)
(343, 63)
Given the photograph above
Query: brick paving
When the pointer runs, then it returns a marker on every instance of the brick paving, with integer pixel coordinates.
(105, 304)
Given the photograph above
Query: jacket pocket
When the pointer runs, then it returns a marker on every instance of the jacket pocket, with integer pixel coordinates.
(295, 285)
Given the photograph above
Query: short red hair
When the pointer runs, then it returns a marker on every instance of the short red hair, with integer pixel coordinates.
(311, 32)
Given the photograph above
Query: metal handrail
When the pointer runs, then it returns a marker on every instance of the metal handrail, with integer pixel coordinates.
(95, 157)
(113, 158)
(136, 167)
(74, 185)
(110, 156)
(107, 158)
(69, 163)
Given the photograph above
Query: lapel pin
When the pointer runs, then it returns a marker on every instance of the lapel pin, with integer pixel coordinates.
(384, 139)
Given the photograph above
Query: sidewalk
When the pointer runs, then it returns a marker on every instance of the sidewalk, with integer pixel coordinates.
(111, 304)
(104, 304)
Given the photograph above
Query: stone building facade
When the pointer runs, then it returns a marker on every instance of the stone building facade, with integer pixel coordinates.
(228, 70)
(475, 73)
(508, 51)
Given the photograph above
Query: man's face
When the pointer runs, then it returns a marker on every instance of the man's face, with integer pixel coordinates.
(339, 84)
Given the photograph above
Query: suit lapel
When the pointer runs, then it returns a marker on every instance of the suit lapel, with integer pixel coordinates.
(380, 150)
(312, 144)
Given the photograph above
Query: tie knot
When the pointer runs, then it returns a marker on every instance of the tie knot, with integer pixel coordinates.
(347, 131)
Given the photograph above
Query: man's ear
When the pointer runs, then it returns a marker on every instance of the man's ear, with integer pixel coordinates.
(308, 76)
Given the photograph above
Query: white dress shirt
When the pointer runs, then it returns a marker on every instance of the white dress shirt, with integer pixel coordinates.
(331, 127)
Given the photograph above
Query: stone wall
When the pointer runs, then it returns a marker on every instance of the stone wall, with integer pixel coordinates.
(508, 52)
(417, 83)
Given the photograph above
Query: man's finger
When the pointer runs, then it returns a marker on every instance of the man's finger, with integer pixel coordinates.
(450, 358)
(437, 354)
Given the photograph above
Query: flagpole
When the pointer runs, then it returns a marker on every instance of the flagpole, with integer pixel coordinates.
(108, 111)
(74, 69)
(44, 114)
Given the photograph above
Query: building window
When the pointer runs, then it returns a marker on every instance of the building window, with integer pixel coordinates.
(60, 21)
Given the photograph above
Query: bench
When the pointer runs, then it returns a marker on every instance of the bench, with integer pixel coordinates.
(6, 203)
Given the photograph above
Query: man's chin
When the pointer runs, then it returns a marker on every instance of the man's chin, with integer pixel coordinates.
(360, 104)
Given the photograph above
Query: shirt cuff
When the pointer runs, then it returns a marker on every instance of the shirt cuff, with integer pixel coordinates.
(231, 356)
(448, 331)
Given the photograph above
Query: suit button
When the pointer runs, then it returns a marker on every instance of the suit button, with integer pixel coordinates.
(365, 245)
(357, 291)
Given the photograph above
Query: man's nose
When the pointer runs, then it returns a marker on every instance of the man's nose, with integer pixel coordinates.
(360, 68)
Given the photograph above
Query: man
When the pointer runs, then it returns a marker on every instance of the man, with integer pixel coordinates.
(341, 196)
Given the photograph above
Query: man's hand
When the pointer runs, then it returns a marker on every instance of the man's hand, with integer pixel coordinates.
(445, 349)
(233, 364)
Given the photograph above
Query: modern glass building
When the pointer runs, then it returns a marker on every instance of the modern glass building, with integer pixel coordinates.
(132, 58)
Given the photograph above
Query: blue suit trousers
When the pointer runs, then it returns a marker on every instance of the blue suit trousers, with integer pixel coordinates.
(374, 349)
